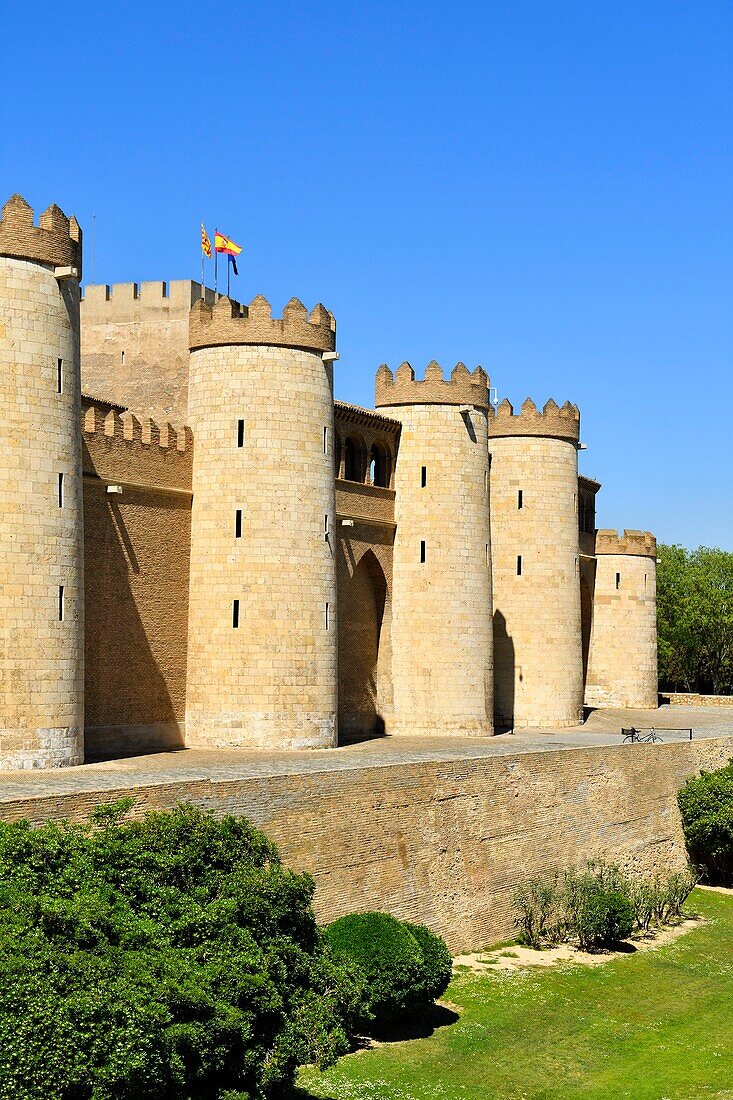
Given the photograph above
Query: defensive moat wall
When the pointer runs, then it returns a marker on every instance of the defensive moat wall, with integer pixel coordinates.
(444, 841)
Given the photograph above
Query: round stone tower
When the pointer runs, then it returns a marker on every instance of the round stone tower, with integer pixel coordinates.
(534, 526)
(262, 637)
(441, 626)
(622, 664)
(41, 530)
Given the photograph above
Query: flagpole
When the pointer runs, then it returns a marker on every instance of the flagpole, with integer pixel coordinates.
(202, 266)
(216, 265)
(229, 271)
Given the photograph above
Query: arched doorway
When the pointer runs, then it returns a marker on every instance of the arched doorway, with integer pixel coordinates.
(364, 650)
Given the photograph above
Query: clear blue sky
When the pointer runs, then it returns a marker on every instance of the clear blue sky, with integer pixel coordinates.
(544, 188)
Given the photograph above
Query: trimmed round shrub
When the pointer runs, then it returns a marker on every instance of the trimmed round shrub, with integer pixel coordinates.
(404, 966)
(437, 961)
(706, 807)
(172, 957)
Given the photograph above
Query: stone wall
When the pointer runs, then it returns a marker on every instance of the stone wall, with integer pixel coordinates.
(134, 345)
(136, 551)
(444, 842)
(692, 699)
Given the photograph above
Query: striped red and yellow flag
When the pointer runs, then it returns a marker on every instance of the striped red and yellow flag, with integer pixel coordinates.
(205, 243)
(223, 244)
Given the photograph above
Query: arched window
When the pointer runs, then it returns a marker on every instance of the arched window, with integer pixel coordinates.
(352, 460)
(337, 455)
(379, 466)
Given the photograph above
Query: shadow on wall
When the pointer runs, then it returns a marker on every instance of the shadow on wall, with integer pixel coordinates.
(362, 629)
(136, 597)
(504, 675)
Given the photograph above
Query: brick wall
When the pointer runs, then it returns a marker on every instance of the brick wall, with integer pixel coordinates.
(444, 842)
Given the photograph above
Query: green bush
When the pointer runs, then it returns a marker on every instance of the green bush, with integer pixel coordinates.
(539, 906)
(404, 967)
(437, 968)
(706, 806)
(600, 918)
(168, 957)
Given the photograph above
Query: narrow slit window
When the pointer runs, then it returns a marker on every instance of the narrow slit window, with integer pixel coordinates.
(61, 603)
(519, 565)
(235, 614)
(618, 580)
(486, 481)
(520, 498)
(645, 580)
(325, 441)
(423, 476)
(327, 616)
(488, 562)
(325, 526)
(238, 524)
(422, 552)
(123, 359)
(240, 433)
(61, 490)
(60, 376)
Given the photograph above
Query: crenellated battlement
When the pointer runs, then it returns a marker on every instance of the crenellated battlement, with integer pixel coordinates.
(102, 303)
(462, 388)
(56, 240)
(226, 322)
(640, 544)
(554, 421)
(124, 427)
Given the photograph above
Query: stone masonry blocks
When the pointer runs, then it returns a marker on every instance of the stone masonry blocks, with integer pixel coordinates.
(41, 536)
(271, 681)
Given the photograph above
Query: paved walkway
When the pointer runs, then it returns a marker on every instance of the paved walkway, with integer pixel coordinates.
(602, 728)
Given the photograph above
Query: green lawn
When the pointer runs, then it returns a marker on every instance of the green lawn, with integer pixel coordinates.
(649, 1026)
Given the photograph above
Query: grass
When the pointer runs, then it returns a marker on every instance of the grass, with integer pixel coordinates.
(654, 1025)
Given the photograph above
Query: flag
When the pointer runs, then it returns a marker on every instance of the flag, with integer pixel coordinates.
(233, 262)
(205, 243)
(223, 244)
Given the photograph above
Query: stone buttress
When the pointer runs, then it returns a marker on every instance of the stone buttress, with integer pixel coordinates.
(441, 623)
(622, 665)
(262, 639)
(535, 566)
(41, 536)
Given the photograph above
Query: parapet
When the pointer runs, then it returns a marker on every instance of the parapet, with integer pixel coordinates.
(640, 544)
(118, 447)
(462, 388)
(553, 422)
(102, 304)
(56, 240)
(227, 323)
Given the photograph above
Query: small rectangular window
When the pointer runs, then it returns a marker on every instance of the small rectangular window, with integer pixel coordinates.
(238, 524)
(486, 481)
(422, 552)
(61, 490)
(325, 527)
(488, 560)
(519, 565)
(235, 614)
(61, 603)
(123, 359)
(326, 616)
(520, 498)
(60, 376)
(645, 580)
(240, 433)
(423, 476)
(325, 441)
(618, 580)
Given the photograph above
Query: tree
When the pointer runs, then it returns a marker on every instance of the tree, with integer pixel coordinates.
(169, 957)
(695, 619)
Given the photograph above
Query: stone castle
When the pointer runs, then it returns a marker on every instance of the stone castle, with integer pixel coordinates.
(283, 571)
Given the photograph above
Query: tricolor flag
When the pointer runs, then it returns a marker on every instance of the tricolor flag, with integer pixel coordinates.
(205, 243)
(223, 244)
